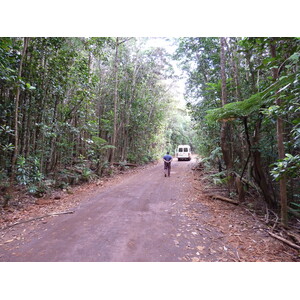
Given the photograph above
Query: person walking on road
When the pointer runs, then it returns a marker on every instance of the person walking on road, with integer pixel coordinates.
(167, 164)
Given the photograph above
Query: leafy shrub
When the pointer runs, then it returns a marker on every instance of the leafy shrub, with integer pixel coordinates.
(87, 174)
(289, 166)
(3, 175)
(213, 159)
(219, 178)
(29, 174)
(28, 171)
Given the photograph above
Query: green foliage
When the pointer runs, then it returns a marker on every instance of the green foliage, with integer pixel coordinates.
(8, 59)
(235, 110)
(213, 159)
(3, 176)
(28, 171)
(66, 100)
(289, 166)
(87, 174)
(219, 178)
(296, 133)
(178, 128)
(262, 86)
(296, 206)
(254, 104)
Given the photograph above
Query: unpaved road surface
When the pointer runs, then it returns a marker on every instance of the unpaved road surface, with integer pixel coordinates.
(148, 218)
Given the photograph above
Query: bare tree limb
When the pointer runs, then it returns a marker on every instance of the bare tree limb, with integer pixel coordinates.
(284, 240)
(224, 199)
(41, 217)
(125, 164)
(293, 235)
(267, 215)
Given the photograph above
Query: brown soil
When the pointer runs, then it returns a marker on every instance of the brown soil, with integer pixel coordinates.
(138, 215)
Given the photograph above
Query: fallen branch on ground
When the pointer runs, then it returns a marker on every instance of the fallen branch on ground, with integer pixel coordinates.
(223, 199)
(215, 190)
(122, 164)
(284, 240)
(293, 235)
(197, 189)
(267, 215)
(41, 217)
(276, 221)
(253, 215)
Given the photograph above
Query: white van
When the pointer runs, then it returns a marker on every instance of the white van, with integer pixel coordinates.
(184, 152)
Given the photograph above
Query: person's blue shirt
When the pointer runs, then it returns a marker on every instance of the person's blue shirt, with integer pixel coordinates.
(167, 157)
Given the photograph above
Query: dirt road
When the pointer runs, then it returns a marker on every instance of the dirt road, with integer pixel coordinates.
(143, 217)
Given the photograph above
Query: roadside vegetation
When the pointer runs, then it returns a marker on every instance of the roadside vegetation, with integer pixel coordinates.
(75, 109)
(243, 95)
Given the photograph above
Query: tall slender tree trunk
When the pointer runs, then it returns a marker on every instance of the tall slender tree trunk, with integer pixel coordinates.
(280, 145)
(225, 141)
(128, 110)
(250, 65)
(116, 69)
(235, 67)
(53, 141)
(283, 180)
(16, 118)
(225, 129)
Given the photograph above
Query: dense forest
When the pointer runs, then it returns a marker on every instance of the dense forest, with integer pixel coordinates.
(72, 107)
(243, 94)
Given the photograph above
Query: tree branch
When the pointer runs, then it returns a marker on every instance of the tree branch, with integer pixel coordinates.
(284, 240)
(41, 217)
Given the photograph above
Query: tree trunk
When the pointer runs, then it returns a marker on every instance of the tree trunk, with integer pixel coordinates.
(259, 174)
(283, 180)
(250, 65)
(16, 118)
(53, 140)
(128, 109)
(235, 59)
(280, 145)
(116, 69)
(225, 140)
